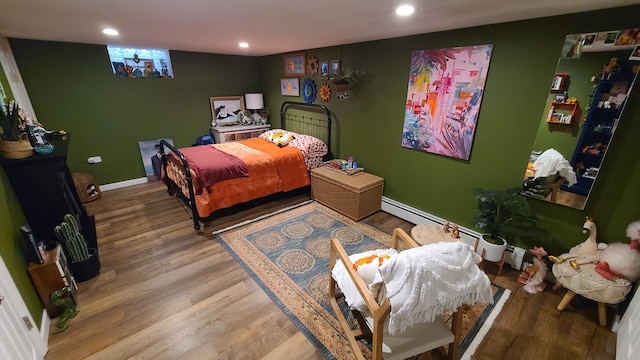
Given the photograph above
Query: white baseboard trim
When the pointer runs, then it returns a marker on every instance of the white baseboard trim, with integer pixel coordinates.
(44, 328)
(515, 255)
(125, 183)
(417, 216)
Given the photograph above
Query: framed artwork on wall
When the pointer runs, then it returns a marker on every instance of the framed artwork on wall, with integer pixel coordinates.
(334, 68)
(444, 93)
(324, 69)
(560, 83)
(295, 64)
(225, 109)
(290, 87)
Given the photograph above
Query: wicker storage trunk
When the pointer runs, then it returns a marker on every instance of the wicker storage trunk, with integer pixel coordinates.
(356, 196)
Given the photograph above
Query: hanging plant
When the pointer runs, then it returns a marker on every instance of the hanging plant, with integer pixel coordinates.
(343, 79)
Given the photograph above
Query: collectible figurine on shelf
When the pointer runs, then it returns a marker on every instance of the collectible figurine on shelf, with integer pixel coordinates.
(533, 276)
(445, 227)
(455, 233)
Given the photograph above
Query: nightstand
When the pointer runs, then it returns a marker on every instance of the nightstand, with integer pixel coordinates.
(223, 134)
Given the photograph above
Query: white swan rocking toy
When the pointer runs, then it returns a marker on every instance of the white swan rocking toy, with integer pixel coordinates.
(616, 260)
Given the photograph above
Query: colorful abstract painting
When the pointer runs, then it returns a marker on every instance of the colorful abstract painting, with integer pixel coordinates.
(443, 99)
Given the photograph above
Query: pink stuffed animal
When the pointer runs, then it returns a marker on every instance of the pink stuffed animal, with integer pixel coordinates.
(620, 260)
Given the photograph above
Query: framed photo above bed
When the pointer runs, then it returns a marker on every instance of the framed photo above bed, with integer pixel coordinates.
(295, 64)
(225, 109)
(290, 87)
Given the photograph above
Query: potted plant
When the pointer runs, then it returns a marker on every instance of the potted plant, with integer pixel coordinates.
(344, 78)
(85, 263)
(503, 213)
(15, 143)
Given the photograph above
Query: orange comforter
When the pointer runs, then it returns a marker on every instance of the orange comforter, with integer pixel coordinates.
(271, 170)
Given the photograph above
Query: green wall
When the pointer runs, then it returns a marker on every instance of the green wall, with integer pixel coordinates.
(12, 248)
(72, 88)
(76, 90)
(525, 55)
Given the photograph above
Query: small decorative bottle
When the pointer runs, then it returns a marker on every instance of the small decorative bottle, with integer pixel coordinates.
(350, 163)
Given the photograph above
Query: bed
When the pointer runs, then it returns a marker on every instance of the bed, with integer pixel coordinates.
(213, 177)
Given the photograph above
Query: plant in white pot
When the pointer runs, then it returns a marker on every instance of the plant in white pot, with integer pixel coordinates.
(503, 213)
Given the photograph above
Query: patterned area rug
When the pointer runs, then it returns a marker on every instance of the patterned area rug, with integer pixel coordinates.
(287, 254)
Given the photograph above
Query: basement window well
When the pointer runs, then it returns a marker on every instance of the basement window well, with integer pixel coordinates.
(135, 63)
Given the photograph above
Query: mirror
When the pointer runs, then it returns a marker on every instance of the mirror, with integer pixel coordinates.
(587, 95)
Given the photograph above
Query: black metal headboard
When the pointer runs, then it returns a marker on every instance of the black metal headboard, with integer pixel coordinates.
(305, 122)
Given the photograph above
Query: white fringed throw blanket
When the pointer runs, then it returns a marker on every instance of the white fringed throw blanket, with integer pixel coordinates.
(424, 282)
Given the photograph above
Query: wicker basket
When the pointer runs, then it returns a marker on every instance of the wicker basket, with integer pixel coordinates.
(18, 149)
(356, 196)
(86, 187)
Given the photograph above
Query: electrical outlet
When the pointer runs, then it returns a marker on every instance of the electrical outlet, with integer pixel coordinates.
(94, 160)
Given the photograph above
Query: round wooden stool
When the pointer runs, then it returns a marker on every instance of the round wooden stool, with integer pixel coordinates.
(587, 282)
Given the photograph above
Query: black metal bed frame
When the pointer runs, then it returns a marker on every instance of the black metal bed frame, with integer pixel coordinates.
(172, 188)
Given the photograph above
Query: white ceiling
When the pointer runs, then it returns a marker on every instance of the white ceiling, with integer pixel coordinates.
(269, 26)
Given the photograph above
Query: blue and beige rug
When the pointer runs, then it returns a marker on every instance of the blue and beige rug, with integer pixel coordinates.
(287, 254)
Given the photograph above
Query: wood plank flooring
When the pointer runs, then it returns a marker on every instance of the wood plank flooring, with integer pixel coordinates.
(165, 292)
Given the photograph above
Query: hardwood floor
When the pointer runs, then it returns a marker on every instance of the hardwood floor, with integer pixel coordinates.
(165, 292)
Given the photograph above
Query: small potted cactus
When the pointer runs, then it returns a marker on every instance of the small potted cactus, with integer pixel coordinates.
(84, 261)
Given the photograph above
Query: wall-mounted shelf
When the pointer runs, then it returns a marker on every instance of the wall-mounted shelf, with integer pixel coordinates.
(563, 113)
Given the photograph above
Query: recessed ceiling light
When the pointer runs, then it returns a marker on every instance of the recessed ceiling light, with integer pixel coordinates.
(404, 10)
(110, 32)
(243, 45)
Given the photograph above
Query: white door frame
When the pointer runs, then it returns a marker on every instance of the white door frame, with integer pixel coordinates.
(18, 341)
(628, 333)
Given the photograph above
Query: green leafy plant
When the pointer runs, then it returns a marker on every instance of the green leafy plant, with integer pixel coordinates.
(69, 234)
(347, 75)
(10, 122)
(503, 213)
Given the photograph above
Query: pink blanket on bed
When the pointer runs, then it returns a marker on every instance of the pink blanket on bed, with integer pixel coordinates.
(212, 165)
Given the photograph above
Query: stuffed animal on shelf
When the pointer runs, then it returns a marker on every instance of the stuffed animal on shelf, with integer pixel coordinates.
(619, 260)
(533, 276)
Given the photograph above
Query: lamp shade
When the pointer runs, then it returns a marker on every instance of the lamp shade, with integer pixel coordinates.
(254, 101)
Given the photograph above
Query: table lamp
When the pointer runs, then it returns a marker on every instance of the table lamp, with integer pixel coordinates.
(255, 102)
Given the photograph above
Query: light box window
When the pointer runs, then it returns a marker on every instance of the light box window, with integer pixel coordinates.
(140, 63)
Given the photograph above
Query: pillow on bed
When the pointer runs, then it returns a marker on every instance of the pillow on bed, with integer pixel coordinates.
(309, 145)
(281, 138)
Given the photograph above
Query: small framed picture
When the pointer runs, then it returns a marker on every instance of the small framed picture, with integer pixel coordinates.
(324, 69)
(225, 109)
(290, 87)
(334, 68)
(295, 64)
(560, 83)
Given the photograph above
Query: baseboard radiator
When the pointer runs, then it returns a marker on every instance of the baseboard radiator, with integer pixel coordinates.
(515, 255)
